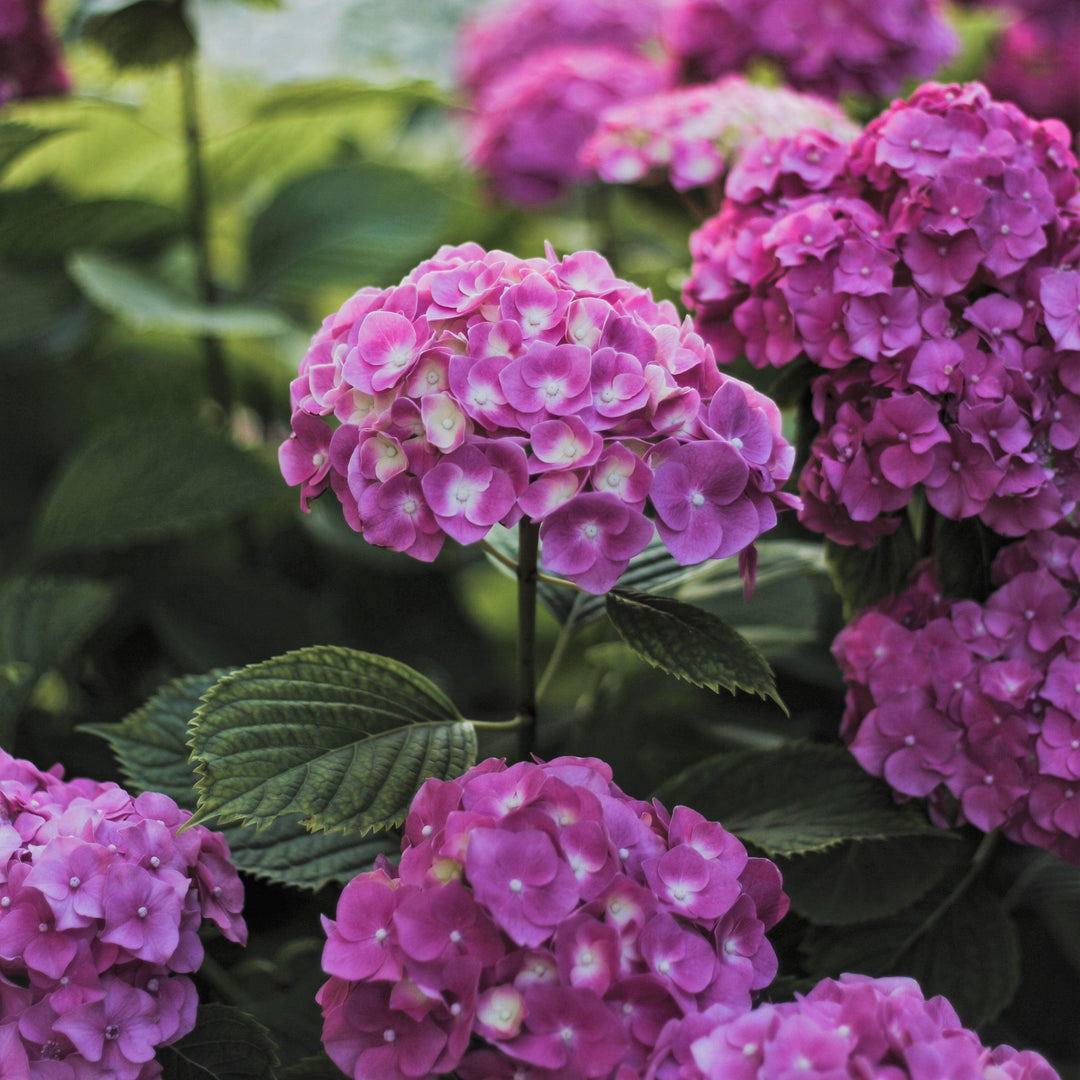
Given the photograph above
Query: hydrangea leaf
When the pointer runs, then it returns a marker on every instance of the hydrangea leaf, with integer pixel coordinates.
(43, 620)
(17, 137)
(226, 1044)
(794, 798)
(868, 879)
(151, 746)
(963, 552)
(864, 577)
(316, 1067)
(33, 306)
(964, 947)
(126, 292)
(142, 481)
(144, 34)
(690, 643)
(341, 737)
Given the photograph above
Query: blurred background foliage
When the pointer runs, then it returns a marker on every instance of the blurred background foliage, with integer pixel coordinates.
(171, 234)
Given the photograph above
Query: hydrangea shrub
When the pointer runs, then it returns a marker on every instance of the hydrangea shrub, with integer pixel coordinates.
(541, 909)
(101, 900)
(927, 270)
(486, 389)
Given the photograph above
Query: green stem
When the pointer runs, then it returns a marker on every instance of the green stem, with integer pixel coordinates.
(217, 375)
(978, 861)
(547, 579)
(528, 548)
(566, 632)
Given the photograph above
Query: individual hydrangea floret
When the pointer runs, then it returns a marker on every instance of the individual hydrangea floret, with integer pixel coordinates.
(541, 919)
(500, 37)
(847, 1027)
(529, 124)
(928, 269)
(846, 46)
(29, 58)
(694, 134)
(976, 707)
(486, 388)
(101, 901)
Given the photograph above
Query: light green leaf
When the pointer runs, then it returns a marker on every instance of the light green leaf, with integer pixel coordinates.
(689, 643)
(352, 224)
(342, 737)
(795, 798)
(16, 138)
(226, 1044)
(868, 879)
(319, 96)
(966, 950)
(151, 746)
(144, 304)
(43, 621)
(145, 481)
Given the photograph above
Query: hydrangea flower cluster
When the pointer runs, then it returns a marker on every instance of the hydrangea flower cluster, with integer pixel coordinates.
(928, 269)
(543, 910)
(977, 706)
(854, 1026)
(485, 388)
(844, 46)
(29, 58)
(100, 906)
(694, 134)
(529, 125)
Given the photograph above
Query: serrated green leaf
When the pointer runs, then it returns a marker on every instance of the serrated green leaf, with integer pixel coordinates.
(226, 1044)
(43, 621)
(968, 951)
(795, 798)
(151, 746)
(146, 33)
(145, 304)
(690, 643)
(145, 481)
(868, 879)
(863, 577)
(356, 224)
(342, 737)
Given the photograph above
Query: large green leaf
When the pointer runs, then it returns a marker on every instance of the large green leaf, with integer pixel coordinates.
(226, 1044)
(143, 33)
(964, 948)
(351, 224)
(690, 643)
(43, 621)
(151, 745)
(868, 879)
(34, 306)
(16, 138)
(145, 481)
(342, 737)
(863, 577)
(145, 304)
(795, 798)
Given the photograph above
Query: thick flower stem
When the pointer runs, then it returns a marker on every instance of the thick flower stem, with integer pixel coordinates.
(528, 546)
(217, 376)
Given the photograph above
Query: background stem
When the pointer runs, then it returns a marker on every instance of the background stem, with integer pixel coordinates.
(217, 375)
(528, 546)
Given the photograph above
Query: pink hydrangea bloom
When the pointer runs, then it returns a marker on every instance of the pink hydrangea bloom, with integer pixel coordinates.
(485, 388)
(846, 46)
(528, 125)
(927, 270)
(29, 58)
(100, 907)
(851, 1026)
(694, 134)
(541, 911)
(977, 706)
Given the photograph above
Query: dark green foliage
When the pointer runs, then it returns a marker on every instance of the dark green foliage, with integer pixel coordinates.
(143, 34)
(864, 577)
(226, 1044)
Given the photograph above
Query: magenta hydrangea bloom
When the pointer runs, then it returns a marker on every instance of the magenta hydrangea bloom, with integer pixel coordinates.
(927, 269)
(694, 134)
(487, 388)
(500, 37)
(100, 907)
(876, 1029)
(977, 706)
(528, 125)
(541, 911)
(29, 57)
(844, 47)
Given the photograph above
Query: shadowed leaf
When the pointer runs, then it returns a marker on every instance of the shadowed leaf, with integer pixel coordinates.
(226, 1044)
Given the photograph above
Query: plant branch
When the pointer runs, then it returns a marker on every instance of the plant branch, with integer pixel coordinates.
(217, 375)
(528, 548)
(566, 632)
